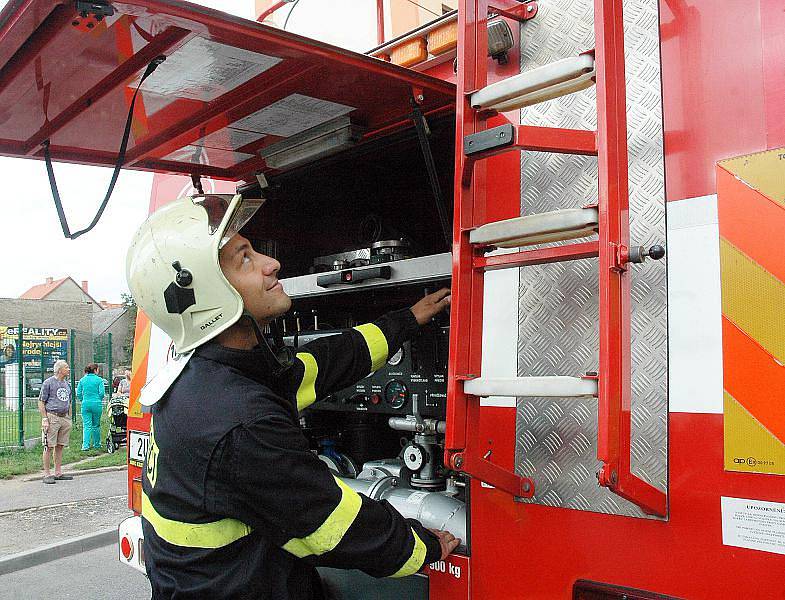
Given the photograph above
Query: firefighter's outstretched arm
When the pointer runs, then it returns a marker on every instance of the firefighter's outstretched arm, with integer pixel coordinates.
(334, 362)
(292, 496)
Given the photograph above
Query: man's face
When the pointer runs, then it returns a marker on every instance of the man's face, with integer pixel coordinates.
(64, 371)
(255, 277)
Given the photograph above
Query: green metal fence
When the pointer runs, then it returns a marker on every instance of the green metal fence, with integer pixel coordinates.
(27, 356)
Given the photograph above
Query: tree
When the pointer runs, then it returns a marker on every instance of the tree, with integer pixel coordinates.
(128, 342)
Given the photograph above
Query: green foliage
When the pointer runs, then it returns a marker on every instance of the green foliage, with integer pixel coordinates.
(119, 457)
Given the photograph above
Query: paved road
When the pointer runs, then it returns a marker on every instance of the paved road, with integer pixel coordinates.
(16, 494)
(94, 574)
(33, 514)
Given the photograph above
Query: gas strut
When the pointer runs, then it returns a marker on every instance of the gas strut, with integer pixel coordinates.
(421, 125)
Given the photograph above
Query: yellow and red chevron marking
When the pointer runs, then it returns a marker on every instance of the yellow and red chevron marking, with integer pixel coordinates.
(751, 204)
(139, 362)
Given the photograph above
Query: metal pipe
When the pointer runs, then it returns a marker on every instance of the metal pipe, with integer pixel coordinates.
(435, 510)
(404, 424)
(380, 22)
(432, 509)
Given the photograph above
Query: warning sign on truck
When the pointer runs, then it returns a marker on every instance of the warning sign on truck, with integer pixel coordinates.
(751, 206)
(204, 70)
(292, 115)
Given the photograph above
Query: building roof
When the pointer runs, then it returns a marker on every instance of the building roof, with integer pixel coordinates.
(42, 290)
(105, 304)
(103, 321)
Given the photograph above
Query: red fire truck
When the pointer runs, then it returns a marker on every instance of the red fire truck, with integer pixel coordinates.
(600, 182)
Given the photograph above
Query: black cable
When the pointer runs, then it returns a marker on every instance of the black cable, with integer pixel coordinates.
(421, 126)
(118, 165)
(291, 10)
(423, 8)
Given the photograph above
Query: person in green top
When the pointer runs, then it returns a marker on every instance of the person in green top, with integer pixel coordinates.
(91, 392)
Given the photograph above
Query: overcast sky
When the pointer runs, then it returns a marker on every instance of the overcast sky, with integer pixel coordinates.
(32, 242)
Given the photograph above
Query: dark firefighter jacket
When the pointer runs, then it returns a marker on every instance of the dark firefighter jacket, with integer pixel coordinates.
(234, 503)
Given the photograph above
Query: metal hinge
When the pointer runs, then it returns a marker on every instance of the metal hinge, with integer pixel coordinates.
(489, 139)
(98, 9)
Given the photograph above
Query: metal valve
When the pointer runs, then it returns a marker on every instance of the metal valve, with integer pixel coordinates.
(638, 254)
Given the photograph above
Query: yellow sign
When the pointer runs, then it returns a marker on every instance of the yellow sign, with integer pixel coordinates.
(751, 207)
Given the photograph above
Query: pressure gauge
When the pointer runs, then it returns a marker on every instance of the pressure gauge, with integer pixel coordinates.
(413, 457)
(396, 358)
(396, 394)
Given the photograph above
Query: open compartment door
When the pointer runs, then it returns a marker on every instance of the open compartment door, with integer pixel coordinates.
(233, 97)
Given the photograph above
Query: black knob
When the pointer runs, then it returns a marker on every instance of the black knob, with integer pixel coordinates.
(656, 252)
(184, 277)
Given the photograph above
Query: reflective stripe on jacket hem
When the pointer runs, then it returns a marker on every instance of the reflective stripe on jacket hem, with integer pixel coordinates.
(416, 560)
(331, 532)
(377, 344)
(193, 535)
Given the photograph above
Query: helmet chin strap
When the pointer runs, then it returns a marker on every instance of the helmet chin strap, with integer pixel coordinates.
(279, 357)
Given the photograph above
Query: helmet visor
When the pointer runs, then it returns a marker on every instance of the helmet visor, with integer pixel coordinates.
(243, 212)
(227, 214)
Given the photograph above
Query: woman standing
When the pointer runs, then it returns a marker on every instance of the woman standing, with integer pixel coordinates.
(91, 392)
(124, 386)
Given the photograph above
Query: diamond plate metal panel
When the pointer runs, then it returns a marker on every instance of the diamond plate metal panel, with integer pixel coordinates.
(559, 303)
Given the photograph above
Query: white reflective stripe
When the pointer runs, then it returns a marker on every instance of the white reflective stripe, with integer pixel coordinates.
(377, 344)
(331, 532)
(416, 560)
(306, 392)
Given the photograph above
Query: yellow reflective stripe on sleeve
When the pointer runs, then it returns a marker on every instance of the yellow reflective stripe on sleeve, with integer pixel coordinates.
(194, 535)
(331, 532)
(416, 560)
(377, 344)
(306, 392)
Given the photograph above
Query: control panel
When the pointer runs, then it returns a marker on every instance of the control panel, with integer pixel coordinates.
(418, 371)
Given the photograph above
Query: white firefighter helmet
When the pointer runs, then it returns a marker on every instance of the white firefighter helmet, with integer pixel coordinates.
(173, 272)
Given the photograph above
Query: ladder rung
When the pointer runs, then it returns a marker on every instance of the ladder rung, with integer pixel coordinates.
(531, 387)
(540, 256)
(542, 228)
(537, 85)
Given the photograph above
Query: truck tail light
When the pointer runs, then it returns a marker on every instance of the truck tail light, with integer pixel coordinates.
(136, 495)
(591, 590)
(126, 547)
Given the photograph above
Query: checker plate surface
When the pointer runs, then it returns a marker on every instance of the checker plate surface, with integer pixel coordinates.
(558, 317)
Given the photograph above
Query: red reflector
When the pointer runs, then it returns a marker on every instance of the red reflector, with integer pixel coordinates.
(347, 276)
(126, 548)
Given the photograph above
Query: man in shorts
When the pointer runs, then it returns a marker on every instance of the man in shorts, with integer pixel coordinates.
(54, 404)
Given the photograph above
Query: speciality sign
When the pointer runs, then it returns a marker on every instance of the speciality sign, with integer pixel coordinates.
(50, 342)
(449, 578)
(751, 207)
(138, 446)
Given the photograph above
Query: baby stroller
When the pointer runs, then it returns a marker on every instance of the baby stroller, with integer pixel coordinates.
(118, 422)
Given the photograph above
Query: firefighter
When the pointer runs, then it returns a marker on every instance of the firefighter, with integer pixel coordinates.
(234, 503)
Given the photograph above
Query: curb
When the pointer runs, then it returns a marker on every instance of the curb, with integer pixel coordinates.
(81, 472)
(69, 547)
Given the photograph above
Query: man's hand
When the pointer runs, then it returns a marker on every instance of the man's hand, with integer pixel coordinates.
(447, 541)
(430, 306)
(44, 423)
